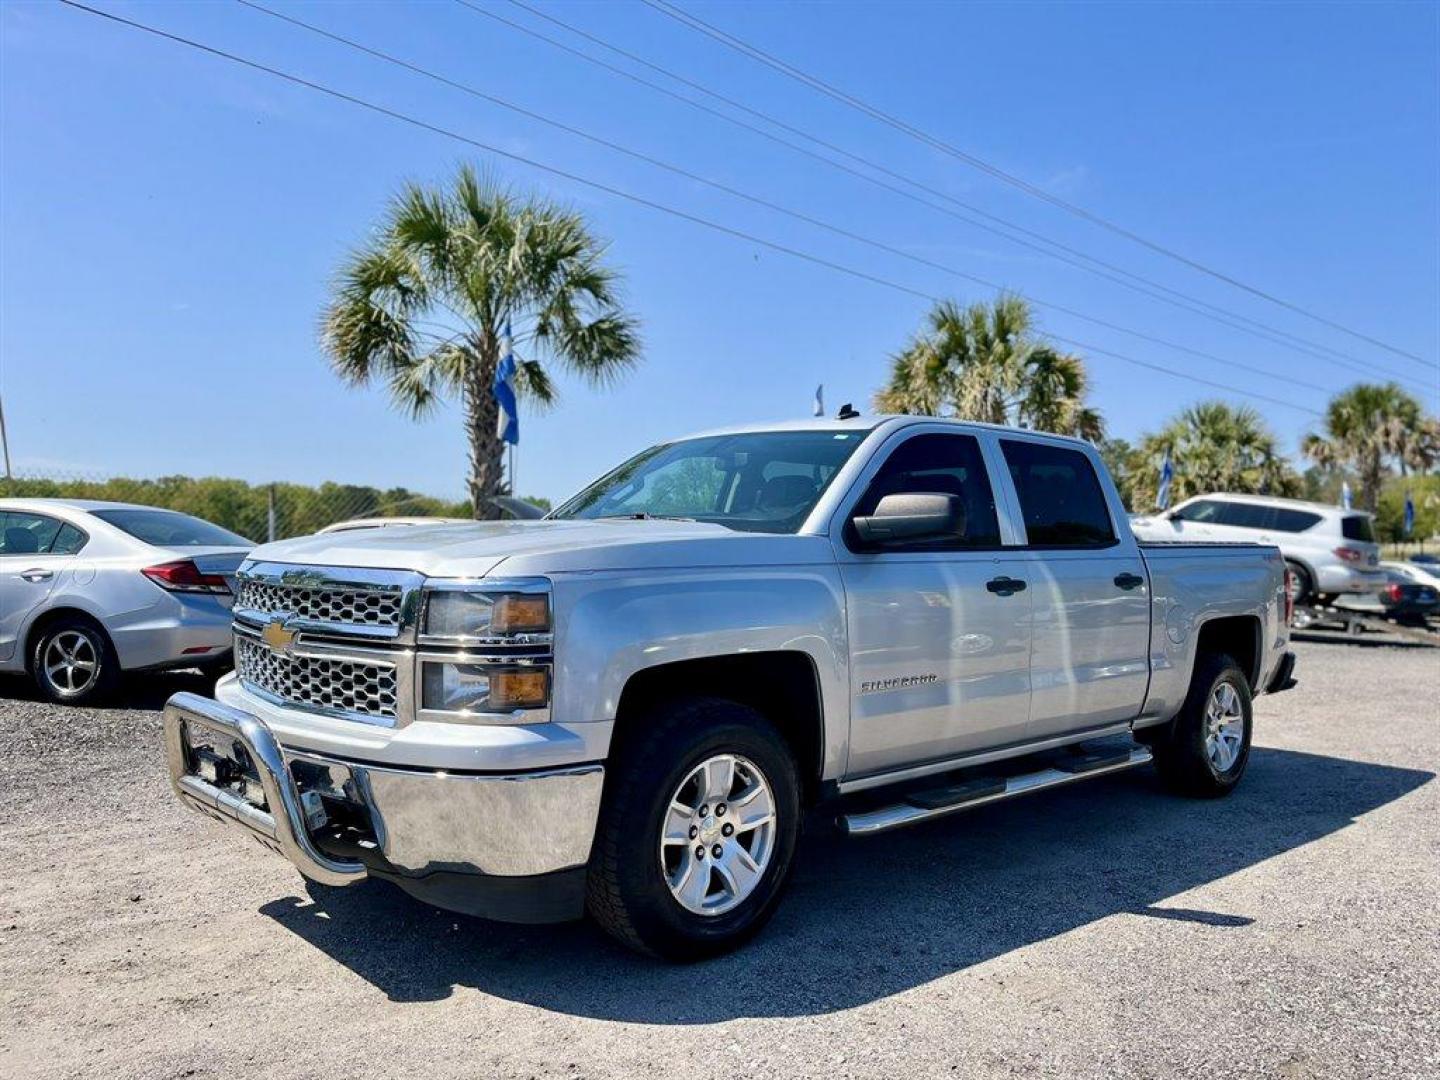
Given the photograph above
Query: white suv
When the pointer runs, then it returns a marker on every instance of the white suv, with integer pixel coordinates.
(1328, 549)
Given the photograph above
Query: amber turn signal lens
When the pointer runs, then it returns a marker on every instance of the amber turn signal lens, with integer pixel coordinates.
(519, 689)
(521, 613)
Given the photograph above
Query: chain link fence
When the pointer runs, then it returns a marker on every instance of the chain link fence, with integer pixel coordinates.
(259, 512)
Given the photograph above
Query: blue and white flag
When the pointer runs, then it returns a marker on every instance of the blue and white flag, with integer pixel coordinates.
(820, 400)
(1347, 497)
(1167, 474)
(508, 427)
(1409, 514)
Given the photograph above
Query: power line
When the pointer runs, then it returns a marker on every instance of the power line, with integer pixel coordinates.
(815, 83)
(1091, 264)
(761, 201)
(639, 200)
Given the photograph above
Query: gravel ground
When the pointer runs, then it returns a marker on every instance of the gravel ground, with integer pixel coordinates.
(1292, 930)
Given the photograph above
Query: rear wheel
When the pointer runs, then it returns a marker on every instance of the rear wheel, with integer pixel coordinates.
(1300, 584)
(1207, 746)
(697, 831)
(73, 662)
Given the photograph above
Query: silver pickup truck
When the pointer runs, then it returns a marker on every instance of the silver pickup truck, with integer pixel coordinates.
(627, 708)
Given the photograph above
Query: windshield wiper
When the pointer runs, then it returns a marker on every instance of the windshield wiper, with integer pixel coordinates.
(641, 515)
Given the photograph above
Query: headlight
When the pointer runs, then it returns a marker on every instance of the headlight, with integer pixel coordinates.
(483, 688)
(466, 615)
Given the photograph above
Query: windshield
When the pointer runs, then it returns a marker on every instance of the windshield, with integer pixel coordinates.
(166, 528)
(763, 481)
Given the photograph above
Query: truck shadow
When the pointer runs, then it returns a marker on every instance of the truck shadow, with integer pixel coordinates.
(866, 919)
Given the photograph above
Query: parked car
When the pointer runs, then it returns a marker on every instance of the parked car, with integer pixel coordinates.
(626, 708)
(90, 589)
(1328, 550)
(1425, 559)
(1403, 599)
(1419, 573)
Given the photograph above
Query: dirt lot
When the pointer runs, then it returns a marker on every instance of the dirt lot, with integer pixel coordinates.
(1108, 929)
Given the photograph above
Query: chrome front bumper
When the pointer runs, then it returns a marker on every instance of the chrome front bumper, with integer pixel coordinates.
(411, 824)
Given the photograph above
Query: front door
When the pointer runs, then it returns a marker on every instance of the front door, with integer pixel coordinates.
(35, 549)
(940, 647)
(1089, 592)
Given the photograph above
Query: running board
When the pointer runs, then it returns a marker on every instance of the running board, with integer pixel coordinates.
(925, 805)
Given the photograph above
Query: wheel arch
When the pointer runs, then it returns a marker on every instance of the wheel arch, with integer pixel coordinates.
(49, 617)
(1239, 637)
(781, 685)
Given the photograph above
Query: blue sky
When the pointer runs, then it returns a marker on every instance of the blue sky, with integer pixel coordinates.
(169, 222)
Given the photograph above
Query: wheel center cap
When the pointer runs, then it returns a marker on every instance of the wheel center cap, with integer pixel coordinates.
(709, 829)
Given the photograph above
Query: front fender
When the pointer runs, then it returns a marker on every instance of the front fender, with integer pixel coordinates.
(611, 626)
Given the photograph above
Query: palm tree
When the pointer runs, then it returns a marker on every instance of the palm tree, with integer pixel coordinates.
(1367, 427)
(423, 305)
(1214, 446)
(984, 362)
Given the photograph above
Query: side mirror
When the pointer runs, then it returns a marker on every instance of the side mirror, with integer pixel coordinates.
(914, 516)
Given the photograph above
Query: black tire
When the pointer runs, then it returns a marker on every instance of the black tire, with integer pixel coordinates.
(627, 892)
(1181, 754)
(1302, 589)
(66, 634)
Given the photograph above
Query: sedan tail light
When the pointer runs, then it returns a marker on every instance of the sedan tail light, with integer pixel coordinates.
(1395, 592)
(1350, 554)
(184, 576)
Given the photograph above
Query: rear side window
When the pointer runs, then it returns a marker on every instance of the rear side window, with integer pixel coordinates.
(942, 465)
(1060, 495)
(68, 540)
(1357, 527)
(1247, 515)
(1295, 521)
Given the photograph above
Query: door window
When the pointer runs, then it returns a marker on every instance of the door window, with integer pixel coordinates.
(27, 534)
(937, 464)
(1203, 511)
(1060, 496)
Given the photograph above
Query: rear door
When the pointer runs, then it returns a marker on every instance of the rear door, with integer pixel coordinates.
(1090, 603)
(940, 647)
(36, 550)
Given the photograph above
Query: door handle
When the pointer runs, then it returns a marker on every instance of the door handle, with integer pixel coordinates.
(33, 576)
(1004, 586)
(1129, 581)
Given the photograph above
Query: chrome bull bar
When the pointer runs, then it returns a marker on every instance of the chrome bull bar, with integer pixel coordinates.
(281, 827)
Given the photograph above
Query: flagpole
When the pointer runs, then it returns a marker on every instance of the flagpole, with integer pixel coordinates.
(5, 441)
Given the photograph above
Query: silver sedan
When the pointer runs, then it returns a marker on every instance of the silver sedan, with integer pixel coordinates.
(90, 589)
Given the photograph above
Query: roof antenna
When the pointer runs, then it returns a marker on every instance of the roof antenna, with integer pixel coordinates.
(847, 412)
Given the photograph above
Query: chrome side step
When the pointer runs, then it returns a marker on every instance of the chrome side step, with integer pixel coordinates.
(925, 805)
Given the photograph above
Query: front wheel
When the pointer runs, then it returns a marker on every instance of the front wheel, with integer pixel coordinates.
(697, 831)
(1207, 746)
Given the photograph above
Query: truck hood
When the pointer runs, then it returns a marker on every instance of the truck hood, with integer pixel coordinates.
(540, 547)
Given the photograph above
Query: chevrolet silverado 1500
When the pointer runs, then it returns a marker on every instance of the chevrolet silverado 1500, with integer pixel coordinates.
(627, 708)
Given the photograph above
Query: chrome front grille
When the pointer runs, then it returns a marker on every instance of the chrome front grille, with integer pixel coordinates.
(371, 606)
(364, 688)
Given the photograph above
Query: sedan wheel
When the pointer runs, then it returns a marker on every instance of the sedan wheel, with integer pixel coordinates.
(73, 663)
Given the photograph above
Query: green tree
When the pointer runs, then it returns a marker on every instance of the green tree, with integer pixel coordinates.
(422, 307)
(986, 362)
(1371, 428)
(1213, 446)
(1125, 464)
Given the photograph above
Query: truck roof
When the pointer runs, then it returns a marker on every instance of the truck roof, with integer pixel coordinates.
(867, 424)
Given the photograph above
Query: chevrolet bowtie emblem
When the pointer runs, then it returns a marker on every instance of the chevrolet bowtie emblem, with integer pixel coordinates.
(277, 635)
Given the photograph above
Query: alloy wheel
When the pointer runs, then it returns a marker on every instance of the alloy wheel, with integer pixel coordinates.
(718, 835)
(1224, 727)
(71, 662)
